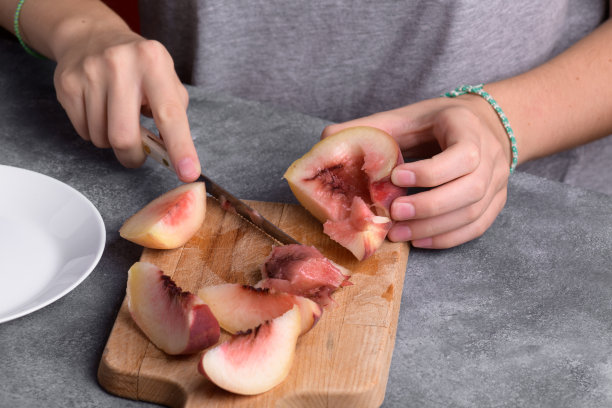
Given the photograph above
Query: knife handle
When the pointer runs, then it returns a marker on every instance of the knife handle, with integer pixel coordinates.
(154, 147)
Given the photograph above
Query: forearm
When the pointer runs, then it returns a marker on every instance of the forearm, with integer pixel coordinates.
(564, 102)
(54, 26)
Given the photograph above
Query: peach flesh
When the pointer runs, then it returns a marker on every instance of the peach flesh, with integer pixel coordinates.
(242, 307)
(170, 220)
(339, 184)
(176, 321)
(362, 232)
(255, 361)
(302, 270)
(353, 163)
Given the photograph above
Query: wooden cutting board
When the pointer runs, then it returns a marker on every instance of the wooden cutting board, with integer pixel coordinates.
(342, 362)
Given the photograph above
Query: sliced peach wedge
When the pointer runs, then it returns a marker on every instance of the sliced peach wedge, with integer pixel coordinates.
(345, 182)
(176, 321)
(239, 308)
(170, 220)
(257, 360)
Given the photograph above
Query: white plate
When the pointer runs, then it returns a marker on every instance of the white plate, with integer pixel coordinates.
(51, 238)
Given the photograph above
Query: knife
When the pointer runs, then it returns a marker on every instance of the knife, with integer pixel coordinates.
(154, 147)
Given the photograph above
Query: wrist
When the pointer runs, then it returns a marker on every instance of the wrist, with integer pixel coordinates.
(486, 108)
(87, 35)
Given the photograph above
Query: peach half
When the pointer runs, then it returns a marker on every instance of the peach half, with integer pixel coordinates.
(255, 361)
(345, 182)
(170, 220)
(239, 308)
(176, 321)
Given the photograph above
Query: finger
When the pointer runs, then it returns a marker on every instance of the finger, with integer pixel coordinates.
(446, 198)
(170, 115)
(429, 227)
(457, 160)
(75, 109)
(70, 96)
(95, 110)
(469, 231)
(124, 121)
(457, 131)
(409, 125)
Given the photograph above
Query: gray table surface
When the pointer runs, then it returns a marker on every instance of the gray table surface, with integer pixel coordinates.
(520, 317)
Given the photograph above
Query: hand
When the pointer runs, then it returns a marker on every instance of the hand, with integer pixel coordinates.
(468, 168)
(105, 81)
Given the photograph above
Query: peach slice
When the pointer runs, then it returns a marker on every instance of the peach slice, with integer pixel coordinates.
(241, 307)
(348, 172)
(170, 220)
(255, 361)
(176, 321)
(302, 270)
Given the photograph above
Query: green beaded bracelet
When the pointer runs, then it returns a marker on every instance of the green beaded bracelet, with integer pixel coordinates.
(478, 90)
(18, 33)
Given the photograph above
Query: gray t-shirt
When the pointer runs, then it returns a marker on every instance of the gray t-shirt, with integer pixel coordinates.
(339, 60)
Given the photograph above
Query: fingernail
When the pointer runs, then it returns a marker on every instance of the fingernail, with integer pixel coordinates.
(403, 211)
(186, 168)
(400, 233)
(423, 243)
(403, 178)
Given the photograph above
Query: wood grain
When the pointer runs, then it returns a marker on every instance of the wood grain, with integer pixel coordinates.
(342, 362)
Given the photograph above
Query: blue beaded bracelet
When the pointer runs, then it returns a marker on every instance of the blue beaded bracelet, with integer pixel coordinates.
(478, 90)
(18, 33)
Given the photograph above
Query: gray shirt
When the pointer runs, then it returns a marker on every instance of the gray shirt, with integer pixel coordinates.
(339, 60)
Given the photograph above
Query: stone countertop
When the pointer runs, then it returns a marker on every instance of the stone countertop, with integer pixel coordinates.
(520, 317)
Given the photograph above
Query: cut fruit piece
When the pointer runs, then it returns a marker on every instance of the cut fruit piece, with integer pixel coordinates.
(255, 361)
(362, 232)
(170, 220)
(352, 165)
(302, 270)
(239, 308)
(176, 321)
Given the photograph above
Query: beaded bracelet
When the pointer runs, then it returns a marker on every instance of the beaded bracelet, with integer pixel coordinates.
(18, 33)
(478, 90)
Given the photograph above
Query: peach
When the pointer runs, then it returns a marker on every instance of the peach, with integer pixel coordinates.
(176, 321)
(170, 220)
(302, 270)
(255, 361)
(242, 307)
(345, 172)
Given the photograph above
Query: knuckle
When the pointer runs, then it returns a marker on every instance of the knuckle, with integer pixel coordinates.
(91, 68)
(473, 212)
(329, 130)
(479, 229)
(121, 142)
(472, 156)
(184, 95)
(426, 209)
(477, 190)
(152, 51)
(168, 113)
(100, 142)
(66, 83)
(115, 59)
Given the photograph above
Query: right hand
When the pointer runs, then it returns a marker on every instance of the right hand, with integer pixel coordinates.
(105, 82)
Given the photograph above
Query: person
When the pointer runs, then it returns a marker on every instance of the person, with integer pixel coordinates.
(547, 66)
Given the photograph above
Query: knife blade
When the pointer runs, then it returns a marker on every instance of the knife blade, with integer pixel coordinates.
(154, 147)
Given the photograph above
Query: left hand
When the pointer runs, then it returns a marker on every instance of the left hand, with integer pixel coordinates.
(467, 168)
